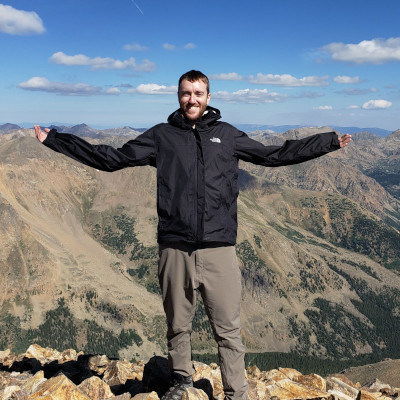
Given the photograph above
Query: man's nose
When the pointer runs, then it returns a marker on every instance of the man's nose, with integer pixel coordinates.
(192, 99)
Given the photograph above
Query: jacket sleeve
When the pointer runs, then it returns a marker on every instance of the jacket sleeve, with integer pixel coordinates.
(139, 151)
(291, 152)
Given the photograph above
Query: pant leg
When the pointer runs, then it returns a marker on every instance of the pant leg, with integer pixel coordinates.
(221, 290)
(176, 274)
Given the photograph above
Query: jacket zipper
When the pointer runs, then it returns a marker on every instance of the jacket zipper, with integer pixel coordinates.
(198, 214)
(195, 217)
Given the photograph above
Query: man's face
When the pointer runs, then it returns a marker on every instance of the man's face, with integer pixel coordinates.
(193, 99)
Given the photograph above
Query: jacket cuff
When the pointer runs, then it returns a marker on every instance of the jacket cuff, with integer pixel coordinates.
(50, 137)
(335, 141)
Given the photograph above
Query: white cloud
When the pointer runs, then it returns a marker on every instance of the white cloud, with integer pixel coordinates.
(113, 90)
(323, 108)
(82, 89)
(375, 51)
(376, 104)
(249, 96)
(19, 22)
(41, 84)
(288, 80)
(230, 76)
(168, 46)
(189, 46)
(353, 107)
(153, 88)
(346, 79)
(135, 47)
(101, 62)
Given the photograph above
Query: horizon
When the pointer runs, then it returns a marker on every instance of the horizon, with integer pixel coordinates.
(247, 127)
(118, 63)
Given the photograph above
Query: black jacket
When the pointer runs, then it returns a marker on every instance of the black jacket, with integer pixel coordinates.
(197, 170)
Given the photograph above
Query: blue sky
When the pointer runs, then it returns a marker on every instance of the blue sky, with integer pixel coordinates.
(111, 63)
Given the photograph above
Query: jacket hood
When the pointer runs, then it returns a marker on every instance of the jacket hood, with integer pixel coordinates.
(210, 116)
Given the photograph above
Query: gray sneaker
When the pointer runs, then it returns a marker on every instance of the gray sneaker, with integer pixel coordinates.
(179, 384)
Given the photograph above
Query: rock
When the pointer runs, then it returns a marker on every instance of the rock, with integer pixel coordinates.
(208, 378)
(43, 355)
(69, 355)
(9, 391)
(118, 372)
(124, 396)
(58, 388)
(287, 389)
(366, 395)
(290, 372)
(257, 389)
(6, 380)
(338, 395)
(335, 384)
(139, 369)
(31, 383)
(95, 388)
(378, 386)
(346, 380)
(253, 371)
(194, 394)
(312, 380)
(98, 364)
(273, 375)
(4, 354)
(7, 358)
(25, 379)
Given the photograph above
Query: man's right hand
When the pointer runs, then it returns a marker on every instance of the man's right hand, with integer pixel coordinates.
(41, 136)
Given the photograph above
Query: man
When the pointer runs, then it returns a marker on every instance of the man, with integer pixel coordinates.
(196, 157)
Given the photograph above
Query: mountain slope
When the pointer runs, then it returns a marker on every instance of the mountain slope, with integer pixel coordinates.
(318, 245)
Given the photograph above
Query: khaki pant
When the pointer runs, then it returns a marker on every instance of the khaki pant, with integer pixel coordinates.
(214, 272)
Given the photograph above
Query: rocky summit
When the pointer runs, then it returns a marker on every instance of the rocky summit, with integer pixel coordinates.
(47, 374)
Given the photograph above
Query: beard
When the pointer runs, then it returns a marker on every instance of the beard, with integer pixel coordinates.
(192, 114)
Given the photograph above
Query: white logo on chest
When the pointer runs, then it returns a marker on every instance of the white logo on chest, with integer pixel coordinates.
(216, 140)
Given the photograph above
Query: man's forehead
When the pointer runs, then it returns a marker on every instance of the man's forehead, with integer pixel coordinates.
(189, 85)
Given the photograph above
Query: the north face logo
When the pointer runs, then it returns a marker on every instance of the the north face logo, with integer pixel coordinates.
(216, 140)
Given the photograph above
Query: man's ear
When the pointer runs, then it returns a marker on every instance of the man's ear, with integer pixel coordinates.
(208, 98)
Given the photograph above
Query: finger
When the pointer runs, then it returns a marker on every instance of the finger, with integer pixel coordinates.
(37, 130)
(47, 130)
(344, 140)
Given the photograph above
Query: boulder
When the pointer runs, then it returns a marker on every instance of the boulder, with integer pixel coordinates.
(95, 388)
(58, 388)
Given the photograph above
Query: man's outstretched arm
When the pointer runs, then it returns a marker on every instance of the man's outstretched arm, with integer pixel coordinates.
(139, 151)
(291, 151)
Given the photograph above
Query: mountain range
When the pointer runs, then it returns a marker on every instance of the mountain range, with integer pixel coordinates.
(318, 245)
(83, 129)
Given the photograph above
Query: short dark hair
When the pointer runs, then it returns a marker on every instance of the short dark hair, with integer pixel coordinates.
(193, 76)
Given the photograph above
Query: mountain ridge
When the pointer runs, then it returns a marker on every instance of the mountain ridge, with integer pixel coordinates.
(83, 128)
(315, 246)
